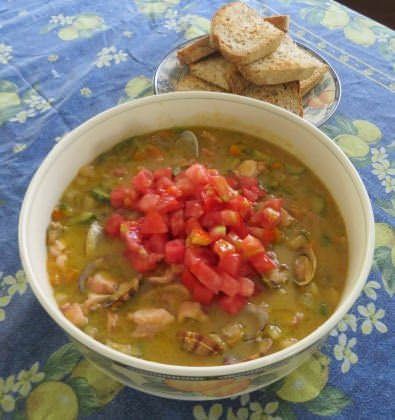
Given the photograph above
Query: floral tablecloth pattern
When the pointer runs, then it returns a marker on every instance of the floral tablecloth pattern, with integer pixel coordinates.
(61, 62)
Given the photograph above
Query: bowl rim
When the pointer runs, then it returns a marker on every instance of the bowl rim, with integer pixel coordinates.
(194, 372)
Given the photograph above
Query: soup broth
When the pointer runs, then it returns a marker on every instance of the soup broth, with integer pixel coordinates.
(197, 246)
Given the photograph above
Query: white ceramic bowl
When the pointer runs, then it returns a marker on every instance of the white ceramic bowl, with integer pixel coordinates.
(260, 119)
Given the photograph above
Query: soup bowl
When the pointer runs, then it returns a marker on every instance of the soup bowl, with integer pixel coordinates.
(219, 110)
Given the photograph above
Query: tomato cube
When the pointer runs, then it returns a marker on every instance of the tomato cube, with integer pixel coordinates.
(199, 293)
(232, 304)
(207, 276)
(241, 205)
(274, 203)
(230, 218)
(193, 209)
(262, 263)
(175, 251)
(230, 286)
(230, 263)
(191, 224)
(200, 237)
(222, 188)
(185, 185)
(148, 202)
(197, 174)
(211, 219)
(143, 181)
(251, 246)
(266, 236)
(153, 222)
(123, 197)
(167, 204)
(218, 232)
(222, 247)
(211, 202)
(156, 243)
(113, 224)
(177, 223)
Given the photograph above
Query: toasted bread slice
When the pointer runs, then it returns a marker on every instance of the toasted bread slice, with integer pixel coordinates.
(285, 95)
(307, 84)
(201, 48)
(242, 35)
(287, 63)
(190, 82)
(214, 69)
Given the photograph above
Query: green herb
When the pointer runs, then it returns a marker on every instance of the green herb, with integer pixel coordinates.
(318, 204)
(100, 195)
(82, 218)
(294, 169)
(323, 309)
(325, 240)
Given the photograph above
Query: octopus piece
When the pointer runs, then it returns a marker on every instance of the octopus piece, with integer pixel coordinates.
(199, 344)
(260, 311)
(264, 346)
(95, 301)
(61, 261)
(277, 277)
(168, 276)
(101, 284)
(123, 293)
(112, 321)
(74, 313)
(247, 168)
(150, 321)
(191, 310)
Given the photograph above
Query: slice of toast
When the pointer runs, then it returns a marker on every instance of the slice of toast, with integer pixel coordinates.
(201, 48)
(285, 95)
(214, 69)
(307, 84)
(242, 35)
(190, 82)
(287, 63)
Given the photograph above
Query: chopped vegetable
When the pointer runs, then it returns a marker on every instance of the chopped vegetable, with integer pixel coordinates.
(100, 195)
(82, 219)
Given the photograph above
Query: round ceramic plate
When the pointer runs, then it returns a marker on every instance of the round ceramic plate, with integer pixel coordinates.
(318, 105)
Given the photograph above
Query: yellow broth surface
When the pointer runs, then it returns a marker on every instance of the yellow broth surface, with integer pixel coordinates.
(293, 310)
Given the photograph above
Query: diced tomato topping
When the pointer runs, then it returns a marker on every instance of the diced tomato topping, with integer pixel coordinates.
(230, 263)
(191, 224)
(211, 201)
(199, 236)
(167, 204)
(222, 188)
(230, 286)
(251, 246)
(143, 181)
(148, 202)
(266, 236)
(241, 205)
(153, 222)
(197, 174)
(222, 247)
(193, 209)
(230, 218)
(247, 287)
(274, 203)
(232, 305)
(156, 243)
(175, 251)
(216, 226)
(177, 223)
(113, 224)
(218, 232)
(207, 276)
(123, 197)
(262, 263)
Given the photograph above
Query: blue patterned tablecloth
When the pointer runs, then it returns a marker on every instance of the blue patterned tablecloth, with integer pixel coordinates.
(62, 62)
